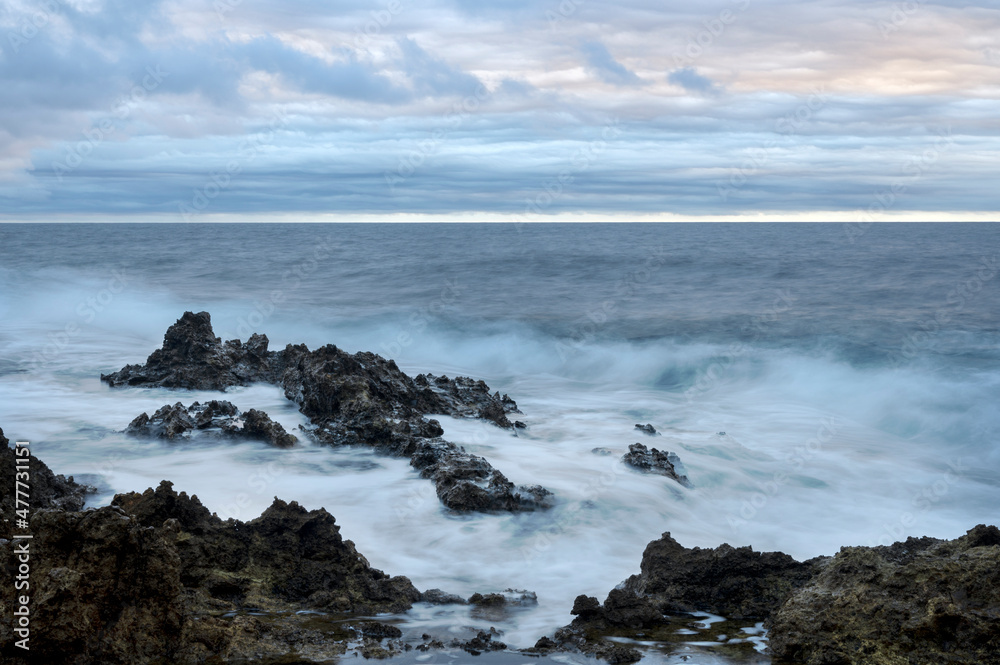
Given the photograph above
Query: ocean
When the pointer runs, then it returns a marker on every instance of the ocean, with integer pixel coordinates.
(823, 384)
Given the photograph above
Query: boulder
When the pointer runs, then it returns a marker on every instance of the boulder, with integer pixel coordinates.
(654, 461)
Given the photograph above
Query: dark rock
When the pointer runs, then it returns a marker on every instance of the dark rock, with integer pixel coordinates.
(586, 607)
(219, 418)
(483, 641)
(918, 601)
(468, 482)
(647, 429)
(520, 425)
(288, 554)
(735, 582)
(48, 490)
(257, 425)
(654, 461)
(155, 577)
(545, 645)
(351, 399)
(193, 357)
(490, 599)
(439, 597)
(378, 630)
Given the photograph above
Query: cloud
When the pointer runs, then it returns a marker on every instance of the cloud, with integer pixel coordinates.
(463, 106)
(605, 67)
(689, 79)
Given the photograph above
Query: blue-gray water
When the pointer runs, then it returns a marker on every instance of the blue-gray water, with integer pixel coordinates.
(823, 385)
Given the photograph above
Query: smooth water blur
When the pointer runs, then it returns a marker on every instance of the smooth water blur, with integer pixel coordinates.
(822, 388)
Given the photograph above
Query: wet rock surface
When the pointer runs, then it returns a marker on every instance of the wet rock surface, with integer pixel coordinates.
(48, 490)
(918, 601)
(155, 577)
(467, 482)
(643, 459)
(737, 583)
(217, 417)
(350, 399)
(647, 429)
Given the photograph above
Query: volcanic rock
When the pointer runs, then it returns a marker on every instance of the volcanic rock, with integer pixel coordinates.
(351, 399)
(218, 417)
(155, 577)
(48, 490)
(654, 461)
(919, 601)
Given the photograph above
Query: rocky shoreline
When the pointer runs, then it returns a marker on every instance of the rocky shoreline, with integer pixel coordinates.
(156, 577)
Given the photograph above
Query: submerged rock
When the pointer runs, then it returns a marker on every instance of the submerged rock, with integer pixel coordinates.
(654, 461)
(647, 429)
(351, 399)
(919, 601)
(217, 417)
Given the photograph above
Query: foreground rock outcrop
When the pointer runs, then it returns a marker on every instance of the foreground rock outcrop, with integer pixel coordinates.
(915, 602)
(737, 583)
(919, 601)
(217, 418)
(350, 399)
(155, 577)
(48, 490)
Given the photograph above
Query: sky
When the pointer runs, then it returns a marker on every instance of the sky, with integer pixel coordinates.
(202, 110)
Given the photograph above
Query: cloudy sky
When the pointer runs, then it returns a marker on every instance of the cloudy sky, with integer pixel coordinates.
(311, 109)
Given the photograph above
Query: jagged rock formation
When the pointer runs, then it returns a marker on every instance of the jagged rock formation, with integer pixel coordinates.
(351, 399)
(736, 583)
(919, 601)
(217, 417)
(155, 577)
(654, 461)
(48, 490)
